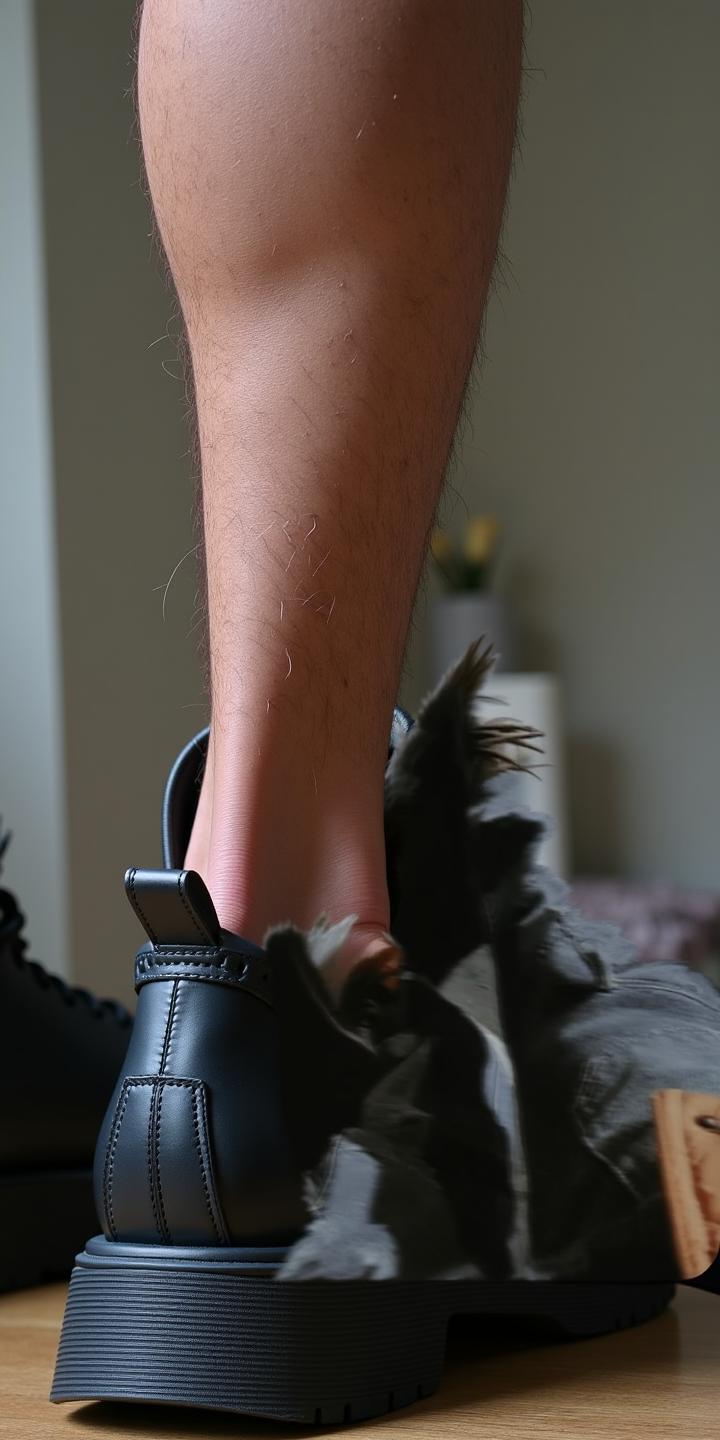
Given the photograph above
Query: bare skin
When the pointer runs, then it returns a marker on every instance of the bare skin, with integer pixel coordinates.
(329, 183)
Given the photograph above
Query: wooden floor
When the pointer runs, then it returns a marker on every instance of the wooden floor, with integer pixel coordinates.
(660, 1380)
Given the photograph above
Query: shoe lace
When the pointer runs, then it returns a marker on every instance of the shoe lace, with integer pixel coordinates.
(12, 924)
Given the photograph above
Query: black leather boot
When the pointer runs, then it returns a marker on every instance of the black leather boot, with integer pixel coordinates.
(61, 1050)
(238, 1076)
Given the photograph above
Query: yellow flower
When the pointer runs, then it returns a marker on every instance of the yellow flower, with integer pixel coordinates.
(481, 538)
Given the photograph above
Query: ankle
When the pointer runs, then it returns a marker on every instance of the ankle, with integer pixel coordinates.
(370, 945)
(271, 849)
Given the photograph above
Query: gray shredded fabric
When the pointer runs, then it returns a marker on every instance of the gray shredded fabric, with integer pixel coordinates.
(509, 1131)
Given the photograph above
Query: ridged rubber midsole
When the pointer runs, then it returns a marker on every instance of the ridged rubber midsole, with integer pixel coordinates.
(210, 1334)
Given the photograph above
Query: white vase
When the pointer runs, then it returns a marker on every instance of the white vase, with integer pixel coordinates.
(463, 616)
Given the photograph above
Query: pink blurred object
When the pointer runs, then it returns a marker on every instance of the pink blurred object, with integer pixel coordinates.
(662, 921)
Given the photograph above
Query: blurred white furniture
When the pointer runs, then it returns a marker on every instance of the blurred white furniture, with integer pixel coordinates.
(535, 699)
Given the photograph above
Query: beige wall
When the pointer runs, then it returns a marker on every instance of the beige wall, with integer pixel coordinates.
(122, 479)
(595, 432)
(32, 792)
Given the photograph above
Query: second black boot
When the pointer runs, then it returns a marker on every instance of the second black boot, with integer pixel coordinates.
(60, 1052)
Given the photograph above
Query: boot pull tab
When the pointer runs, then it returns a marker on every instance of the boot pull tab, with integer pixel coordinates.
(173, 906)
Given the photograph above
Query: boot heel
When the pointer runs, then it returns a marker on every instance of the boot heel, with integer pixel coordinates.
(214, 1328)
(199, 1334)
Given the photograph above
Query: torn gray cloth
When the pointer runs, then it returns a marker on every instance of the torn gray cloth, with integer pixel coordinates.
(510, 1130)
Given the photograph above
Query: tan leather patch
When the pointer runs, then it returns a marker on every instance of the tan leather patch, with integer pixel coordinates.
(687, 1127)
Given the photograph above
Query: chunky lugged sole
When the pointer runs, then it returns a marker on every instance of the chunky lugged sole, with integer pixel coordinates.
(223, 1333)
(44, 1218)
